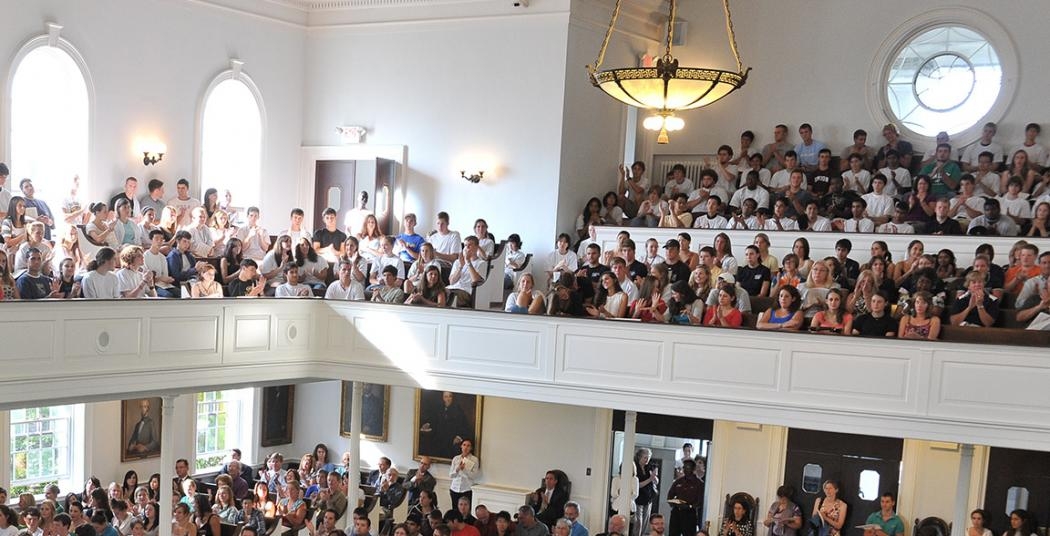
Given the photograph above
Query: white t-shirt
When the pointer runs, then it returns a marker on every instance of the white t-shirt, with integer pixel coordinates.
(723, 195)
(672, 187)
(788, 224)
(1017, 208)
(764, 176)
(382, 262)
(863, 225)
(858, 182)
(973, 152)
(288, 290)
(782, 179)
(11, 530)
(448, 244)
(706, 222)
(975, 203)
(465, 282)
(760, 195)
(513, 299)
(902, 175)
(895, 228)
(188, 205)
(100, 287)
(558, 262)
(306, 271)
(158, 264)
(303, 232)
(110, 240)
(878, 205)
(252, 249)
(987, 184)
(129, 279)
(336, 291)
(822, 225)
(1037, 154)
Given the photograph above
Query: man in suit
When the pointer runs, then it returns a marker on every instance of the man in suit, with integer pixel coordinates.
(375, 478)
(549, 500)
(419, 480)
(144, 436)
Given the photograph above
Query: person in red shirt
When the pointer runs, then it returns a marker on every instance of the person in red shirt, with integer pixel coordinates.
(455, 520)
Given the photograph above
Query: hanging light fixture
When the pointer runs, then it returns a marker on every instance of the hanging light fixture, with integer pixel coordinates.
(667, 88)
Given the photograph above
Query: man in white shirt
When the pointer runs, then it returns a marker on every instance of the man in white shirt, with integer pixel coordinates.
(1037, 153)
(201, 241)
(973, 151)
(994, 223)
(755, 164)
(880, 205)
(631, 189)
(157, 263)
(751, 190)
(388, 258)
(967, 205)
(467, 270)
(697, 201)
(856, 178)
(814, 221)
(447, 243)
(678, 183)
(897, 225)
(746, 218)
(255, 241)
(724, 169)
(296, 229)
(858, 223)
(619, 268)
(898, 178)
(711, 219)
(781, 180)
(780, 220)
(183, 203)
(292, 288)
(345, 288)
(986, 180)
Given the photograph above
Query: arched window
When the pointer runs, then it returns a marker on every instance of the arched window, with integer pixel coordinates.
(231, 138)
(49, 118)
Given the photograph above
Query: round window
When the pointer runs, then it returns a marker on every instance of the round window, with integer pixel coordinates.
(944, 78)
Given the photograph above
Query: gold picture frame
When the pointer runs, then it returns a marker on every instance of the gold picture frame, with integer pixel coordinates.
(375, 421)
(438, 441)
(140, 426)
(278, 411)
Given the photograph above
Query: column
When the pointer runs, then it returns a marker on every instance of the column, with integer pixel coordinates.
(623, 504)
(167, 464)
(961, 516)
(353, 492)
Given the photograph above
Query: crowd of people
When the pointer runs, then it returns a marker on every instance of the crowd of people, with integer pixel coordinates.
(985, 189)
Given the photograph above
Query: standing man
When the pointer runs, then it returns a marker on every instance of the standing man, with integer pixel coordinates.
(131, 188)
(885, 522)
(685, 496)
(155, 197)
(43, 212)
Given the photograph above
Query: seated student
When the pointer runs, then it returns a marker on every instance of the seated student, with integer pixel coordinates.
(346, 287)
(815, 290)
(855, 177)
(69, 287)
(879, 203)
(157, 262)
(814, 221)
(563, 299)
(786, 314)
(527, 299)
(754, 277)
(649, 209)
(447, 243)
(206, 286)
(292, 287)
(100, 283)
(724, 313)
(389, 291)
(248, 282)
(743, 300)
(898, 178)
(1024, 270)
(328, 241)
(987, 181)
(898, 224)
(201, 242)
(752, 190)
(781, 179)
(683, 307)
(834, 318)
(877, 322)
(711, 219)
(819, 176)
(967, 204)
(942, 222)
(515, 258)
(466, 272)
(562, 259)
(280, 255)
(1034, 297)
(976, 307)
(676, 216)
(858, 222)
(747, 218)
(920, 322)
(35, 239)
(924, 280)
(992, 222)
(590, 272)
(135, 281)
(1015, 203)
(781, 220)
(313, 269)
(650, 305)
(254, 237)
(754, 163)
(788, 275)
(182, 266)
(610, 301)
(430, 290)
(486, 245)
(33, 284)
(850, 267)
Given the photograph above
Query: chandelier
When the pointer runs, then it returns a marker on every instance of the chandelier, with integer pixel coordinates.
(667, 88)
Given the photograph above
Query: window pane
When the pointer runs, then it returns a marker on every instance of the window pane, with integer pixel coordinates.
(869, 485)
(231, 142)
(40, 446)
(49, 117)
(1016, 498)
(811, 477)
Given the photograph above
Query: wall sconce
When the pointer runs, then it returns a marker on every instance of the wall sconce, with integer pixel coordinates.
(352, 134)
(474, 178)
(153, 154)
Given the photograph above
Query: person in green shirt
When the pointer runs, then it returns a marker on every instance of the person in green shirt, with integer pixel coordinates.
(943, 172)
(889, 523)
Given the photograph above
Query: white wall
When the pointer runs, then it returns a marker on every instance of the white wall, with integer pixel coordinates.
(458, 93)
(811, 62)
(151, 61)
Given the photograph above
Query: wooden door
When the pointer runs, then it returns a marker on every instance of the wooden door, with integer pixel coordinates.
(1014, 474)
(864, 467)
(333, 187)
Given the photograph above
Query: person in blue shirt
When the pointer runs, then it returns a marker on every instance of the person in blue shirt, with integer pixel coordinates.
(809, 150)
(408, 242)
(886, 519)
(102, 525)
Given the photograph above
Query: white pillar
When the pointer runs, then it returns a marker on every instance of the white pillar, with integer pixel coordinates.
(353, 492)
(961, 516)
(623, 505)
(167, 463)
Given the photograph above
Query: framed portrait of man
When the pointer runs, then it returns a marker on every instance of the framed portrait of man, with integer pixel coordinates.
(375, 411)
(443, 420)
(278, 406)
(140, 423)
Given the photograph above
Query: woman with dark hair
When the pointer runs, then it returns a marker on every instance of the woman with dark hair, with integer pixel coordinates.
(8, 521)
(1021, 524)
(610, 300)
(8, 288)
(739, 522)
(131, 481)
(650, 305)
(784, 517)
(368, 238)
(801, 249)
(978, 519)
(99, 230)
(183, 525)
(611, 213)
(211, 202)
(946, 268)
(919, 322)
(690, 258)
(680, 308)
(230, 262)
(834, 318)
(1040, 224)
(829, 512)
(100, 283)
(504, 524)
(428, 502)
(313, 270)
(724, 253)
(154, 487)
(904, 269)
(724, 313)
(98, 502)
(648, 487)
(785, 315)
(272, 266)
(591, 215)
(13, 228)
(920, 204)
(321, 458)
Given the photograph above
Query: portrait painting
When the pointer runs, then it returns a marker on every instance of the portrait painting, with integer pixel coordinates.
(140, 423)
(443, 421)
(277, 409)
(375, 411)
